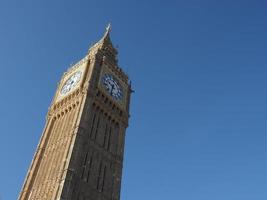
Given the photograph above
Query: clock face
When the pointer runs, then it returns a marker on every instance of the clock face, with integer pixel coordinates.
(112, 86)
(71, 82)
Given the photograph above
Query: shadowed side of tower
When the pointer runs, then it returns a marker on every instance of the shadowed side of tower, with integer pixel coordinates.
(80, 153)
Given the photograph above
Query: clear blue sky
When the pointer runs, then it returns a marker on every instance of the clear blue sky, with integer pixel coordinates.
(198, 127)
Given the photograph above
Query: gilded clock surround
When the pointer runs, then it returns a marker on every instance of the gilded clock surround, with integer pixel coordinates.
(80, 153)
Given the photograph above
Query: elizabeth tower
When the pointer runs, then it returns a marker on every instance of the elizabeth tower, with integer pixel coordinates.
(80, 153)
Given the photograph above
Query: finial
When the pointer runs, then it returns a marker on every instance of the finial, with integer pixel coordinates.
(108, 28)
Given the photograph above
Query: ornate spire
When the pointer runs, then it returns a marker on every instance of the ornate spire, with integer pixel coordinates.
(105, 43)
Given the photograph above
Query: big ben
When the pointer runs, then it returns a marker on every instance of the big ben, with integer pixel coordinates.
(80, 152)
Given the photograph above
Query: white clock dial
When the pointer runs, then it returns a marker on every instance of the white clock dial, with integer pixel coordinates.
(71, 82)
(112, 86)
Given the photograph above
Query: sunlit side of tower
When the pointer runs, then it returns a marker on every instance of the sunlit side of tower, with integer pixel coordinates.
(80, 153)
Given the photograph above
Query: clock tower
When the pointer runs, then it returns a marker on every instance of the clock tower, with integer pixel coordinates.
(80, 153)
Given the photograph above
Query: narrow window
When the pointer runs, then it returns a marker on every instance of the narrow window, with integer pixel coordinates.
(105, 135)
(109, 136)
(97, 126)
(84, 164)
(99, 176)
(104, 177)
(92, 127)
(89, 167)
